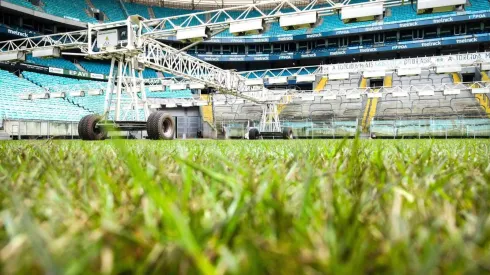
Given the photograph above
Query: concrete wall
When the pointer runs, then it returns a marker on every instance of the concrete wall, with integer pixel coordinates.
(40, 128)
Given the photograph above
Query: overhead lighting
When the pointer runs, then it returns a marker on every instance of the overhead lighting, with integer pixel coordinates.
(13, 56)
(47, 52)
(196, 86)
(431, 6)
(254, 82)
(58, 95)
(77, 93)
(247, 27)
(362, 12)
(193, 34)
(306, 78)
(299, 20)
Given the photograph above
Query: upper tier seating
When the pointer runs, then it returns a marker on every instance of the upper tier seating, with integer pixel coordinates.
(95, 67)
(113, 10)
(23, 3)
(12, 107)
(92, 103)
(52, 62)
(73, 9)
(139, 9)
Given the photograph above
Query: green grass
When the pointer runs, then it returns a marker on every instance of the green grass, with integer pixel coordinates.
(242, 207)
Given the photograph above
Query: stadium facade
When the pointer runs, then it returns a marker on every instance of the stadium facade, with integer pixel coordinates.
(406, 73)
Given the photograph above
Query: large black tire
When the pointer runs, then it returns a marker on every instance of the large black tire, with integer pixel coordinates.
(81, 132)
(160, 125)
(287, 133)
(253, 133)
(149, 130)
(87, 129)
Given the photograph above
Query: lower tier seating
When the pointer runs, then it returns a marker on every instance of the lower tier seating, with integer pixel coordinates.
(12, 107)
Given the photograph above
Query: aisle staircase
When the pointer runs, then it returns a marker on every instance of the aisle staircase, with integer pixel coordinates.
(372, 103)
(321, 84)
(207, 110)
(79, 67)
(456, 78)
(483, 99)
(151, 12)
(90, 4)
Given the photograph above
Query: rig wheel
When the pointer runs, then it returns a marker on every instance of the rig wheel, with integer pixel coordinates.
(81, 126)
(87, 129)
(160, 125)
(287, 133)
(253, 133)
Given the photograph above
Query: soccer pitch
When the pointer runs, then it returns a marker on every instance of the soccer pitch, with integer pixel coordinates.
(245, 207)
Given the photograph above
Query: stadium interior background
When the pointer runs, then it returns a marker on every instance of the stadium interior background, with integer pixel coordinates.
(401, 34)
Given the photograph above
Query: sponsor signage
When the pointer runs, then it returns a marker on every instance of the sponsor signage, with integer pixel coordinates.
(55, 70)
(355, 30)
(351, 50)
(17, 31)
(76, 73)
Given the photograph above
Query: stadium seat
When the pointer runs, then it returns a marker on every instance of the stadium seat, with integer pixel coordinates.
(52, 62)
(12, 107)
(111, 8)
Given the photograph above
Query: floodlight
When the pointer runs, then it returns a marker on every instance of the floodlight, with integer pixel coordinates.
(452, 91)
(278, 80)
(362, 12)
(431, 6)
(338, 76)
(448, 69)
(13, 56)
(196, 86)
(408, 71)
(58, 95)
(307, 78)
(178, 86)
(47, 52)
(193, 34)
(77, 93)
(299, 20)
(247, 27)
(374, 74)
(254, 81)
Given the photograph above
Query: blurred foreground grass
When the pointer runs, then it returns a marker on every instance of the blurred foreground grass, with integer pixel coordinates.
(214, 207)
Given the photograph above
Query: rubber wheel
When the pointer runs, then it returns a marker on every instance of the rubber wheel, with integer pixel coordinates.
(253, 133)
(160, 125)
(150, 131)
(81, 132)
(87, 128)
(287, 133)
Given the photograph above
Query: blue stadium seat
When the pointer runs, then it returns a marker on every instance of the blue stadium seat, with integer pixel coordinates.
(94, 104)
(12, 107)
(139, 9)
(111, 8)
(76, 9)
(23, 3)
(52, 62)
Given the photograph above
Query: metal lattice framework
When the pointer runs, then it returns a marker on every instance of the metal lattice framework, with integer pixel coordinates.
(161, 57)
(65, 41)
(221, 18)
